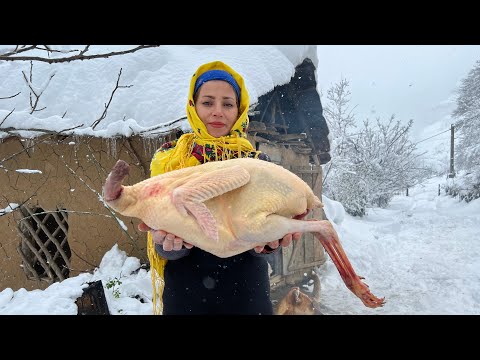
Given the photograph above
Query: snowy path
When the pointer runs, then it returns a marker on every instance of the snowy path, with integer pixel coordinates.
(422, 253)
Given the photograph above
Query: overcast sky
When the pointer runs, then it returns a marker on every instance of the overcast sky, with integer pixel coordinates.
(412, 81)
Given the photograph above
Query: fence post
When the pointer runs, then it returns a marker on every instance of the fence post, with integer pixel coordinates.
(452, 155)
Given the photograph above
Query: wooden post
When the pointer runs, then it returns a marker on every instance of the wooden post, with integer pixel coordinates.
(93, 301)
(452, 168)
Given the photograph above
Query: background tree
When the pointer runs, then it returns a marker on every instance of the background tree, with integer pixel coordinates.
(467, 133)
(386, 160)
(372, 164)
(340, 180)
(468, 126)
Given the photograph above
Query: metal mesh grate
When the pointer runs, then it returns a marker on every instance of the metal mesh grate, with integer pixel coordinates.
(44, 247)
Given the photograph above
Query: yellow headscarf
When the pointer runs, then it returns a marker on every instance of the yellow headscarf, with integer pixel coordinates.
(179, 154)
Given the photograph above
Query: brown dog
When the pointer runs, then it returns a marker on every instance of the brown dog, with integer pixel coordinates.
(298, 303)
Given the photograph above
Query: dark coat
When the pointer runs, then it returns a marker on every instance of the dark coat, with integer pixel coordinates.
(198, 282)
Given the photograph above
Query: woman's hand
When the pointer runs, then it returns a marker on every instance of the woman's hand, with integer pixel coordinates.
(168, 241)
(286, 241)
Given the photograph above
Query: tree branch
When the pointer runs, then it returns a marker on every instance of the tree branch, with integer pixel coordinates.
(31, 196)
(163, 125)
(9, 97)
(19, 50)
(32, 90)
(101, 199)
(81, 56)
(104, 114)
(5, 118)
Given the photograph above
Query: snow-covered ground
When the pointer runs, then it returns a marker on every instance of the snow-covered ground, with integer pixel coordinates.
(422, 253)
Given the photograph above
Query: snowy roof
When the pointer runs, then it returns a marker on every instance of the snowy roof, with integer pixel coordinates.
(155, 86)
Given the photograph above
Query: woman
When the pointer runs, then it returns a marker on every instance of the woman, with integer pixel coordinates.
(195, 281)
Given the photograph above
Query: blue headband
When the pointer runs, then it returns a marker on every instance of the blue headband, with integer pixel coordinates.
(217, 75)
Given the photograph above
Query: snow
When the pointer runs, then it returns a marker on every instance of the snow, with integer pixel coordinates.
(159, 79)
(420, 253)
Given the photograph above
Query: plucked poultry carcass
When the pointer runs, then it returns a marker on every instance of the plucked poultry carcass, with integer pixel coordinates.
(229, 207)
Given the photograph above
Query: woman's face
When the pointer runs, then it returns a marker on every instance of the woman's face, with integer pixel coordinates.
(216, 106)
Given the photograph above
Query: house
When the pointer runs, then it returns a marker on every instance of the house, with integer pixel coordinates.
(54, 161)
